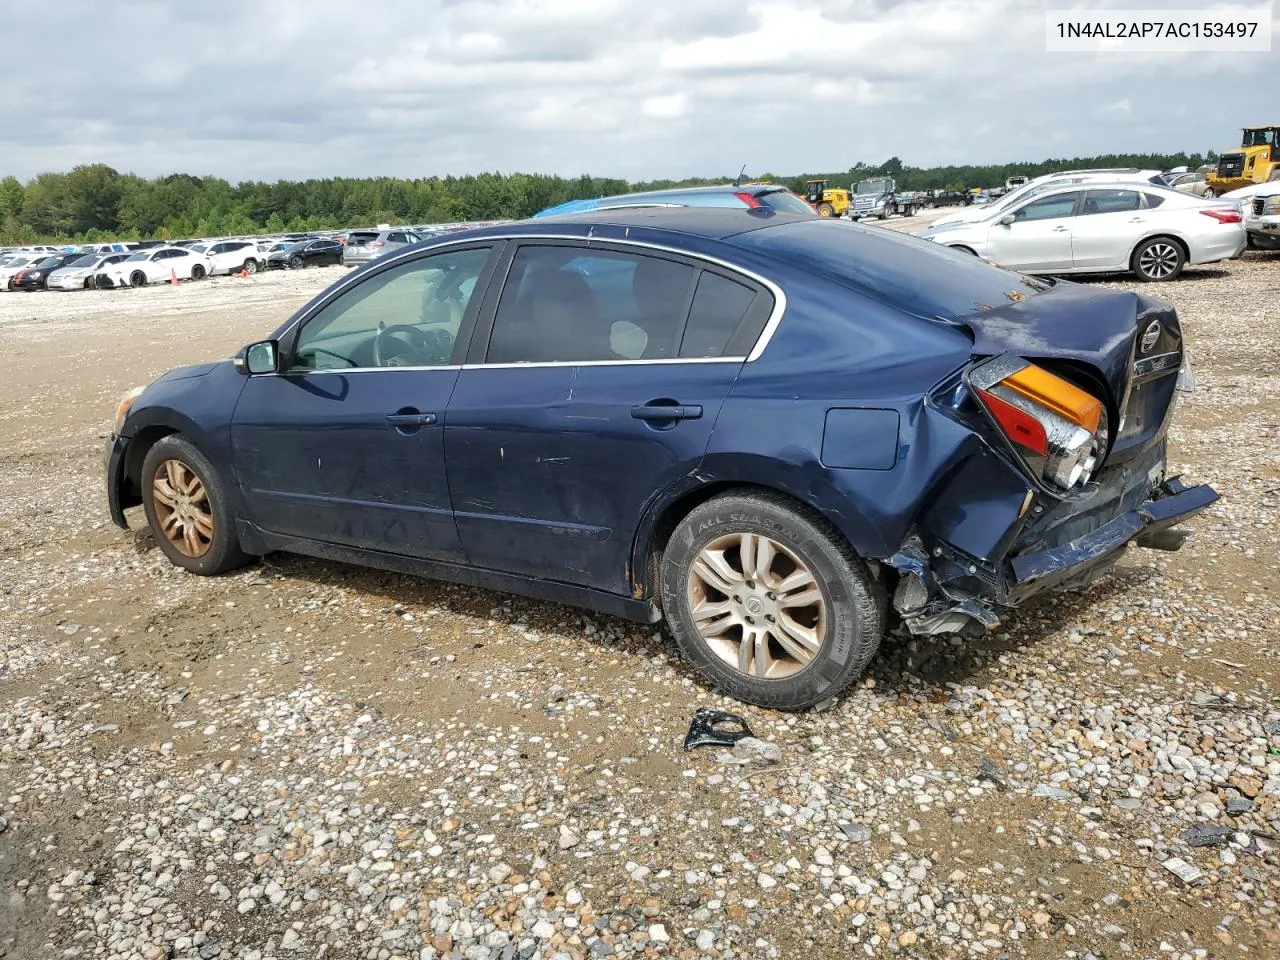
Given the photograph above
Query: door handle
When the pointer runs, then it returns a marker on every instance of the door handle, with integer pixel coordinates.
(660, 411)
(1059, 229)
(411, 419)
(1137, 219)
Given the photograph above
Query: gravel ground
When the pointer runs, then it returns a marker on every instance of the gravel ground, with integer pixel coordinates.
(309, 760)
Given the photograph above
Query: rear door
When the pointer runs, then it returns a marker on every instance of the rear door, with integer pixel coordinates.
(595, 379)
(1039, 238)
(1106, 228)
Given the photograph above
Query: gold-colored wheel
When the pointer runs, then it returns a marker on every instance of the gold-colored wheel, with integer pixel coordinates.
(182, 508)
(757, 605)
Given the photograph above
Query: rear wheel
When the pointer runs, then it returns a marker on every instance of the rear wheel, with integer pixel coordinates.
(1157, 259)
(250, 266)
(826, 210)
(295, 263)
(769, 602)
(189, 509)
(137, 279)
(1209, 193)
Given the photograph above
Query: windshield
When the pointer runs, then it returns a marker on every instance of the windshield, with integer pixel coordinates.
(86, 261)
(872, 186)
(1262, 138)
(50, 262)
(140, 256)
(784, 201)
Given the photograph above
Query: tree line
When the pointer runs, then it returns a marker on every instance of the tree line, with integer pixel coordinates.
(94, 202)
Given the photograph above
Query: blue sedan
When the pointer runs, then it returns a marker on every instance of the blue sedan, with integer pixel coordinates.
(781, 434)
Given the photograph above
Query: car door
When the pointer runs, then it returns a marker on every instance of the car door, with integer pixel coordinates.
(161, 263)
(1038, 238)
(585, 395)
(345, 445)
(1106, 228)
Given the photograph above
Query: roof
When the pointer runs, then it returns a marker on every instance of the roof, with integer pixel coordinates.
(1266, 126)
(713, 223)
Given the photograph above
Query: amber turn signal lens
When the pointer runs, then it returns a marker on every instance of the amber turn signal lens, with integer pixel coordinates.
(1063, 398)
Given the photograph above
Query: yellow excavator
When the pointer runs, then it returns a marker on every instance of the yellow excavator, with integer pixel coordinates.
(1256, 161)
(828, 201)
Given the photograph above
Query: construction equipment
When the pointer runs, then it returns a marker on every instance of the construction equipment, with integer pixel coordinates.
(1257, 161)
(828, 201)
(878, 197)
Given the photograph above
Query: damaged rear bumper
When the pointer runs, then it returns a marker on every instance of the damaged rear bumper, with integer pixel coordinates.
(938, 594)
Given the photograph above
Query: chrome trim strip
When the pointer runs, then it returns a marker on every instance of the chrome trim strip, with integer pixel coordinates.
(770, 327)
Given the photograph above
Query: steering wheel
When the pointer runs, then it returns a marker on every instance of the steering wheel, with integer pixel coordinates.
(404, 345)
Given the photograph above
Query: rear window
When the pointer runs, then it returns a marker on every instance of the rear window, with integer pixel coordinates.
(361, 237)
(784, 201)
(915, 275)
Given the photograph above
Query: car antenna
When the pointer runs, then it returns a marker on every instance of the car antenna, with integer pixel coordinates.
(741, 173)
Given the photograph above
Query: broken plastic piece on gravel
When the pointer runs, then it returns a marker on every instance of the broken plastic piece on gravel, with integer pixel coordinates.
(1206, 835)
(1186, 872)
(856, 832)
(705, 729)
(1053, 793)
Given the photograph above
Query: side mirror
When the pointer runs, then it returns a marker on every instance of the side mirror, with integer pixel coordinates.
(1008, 218)
(261, 357)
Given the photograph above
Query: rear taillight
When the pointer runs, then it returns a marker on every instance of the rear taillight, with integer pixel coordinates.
(1223, 216)
(1059, 430)
(374, 243)
(748, 199)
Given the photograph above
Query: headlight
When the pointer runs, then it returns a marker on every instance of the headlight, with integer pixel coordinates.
(122, 408)
(35, 274)
(1271, 205)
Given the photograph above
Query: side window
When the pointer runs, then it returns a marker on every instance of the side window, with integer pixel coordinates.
(719, 308)
(1110, 201)
(408, 316)
(396, 238)
(1153, 200)
(1048, 208)
(569, 305)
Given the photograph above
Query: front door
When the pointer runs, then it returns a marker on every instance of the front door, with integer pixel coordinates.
(346, 444)
(600, 385)
(1039, 238)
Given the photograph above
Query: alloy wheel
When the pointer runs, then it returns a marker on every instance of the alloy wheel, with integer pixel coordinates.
(1159, 260)
(757, 605)
(182, 507)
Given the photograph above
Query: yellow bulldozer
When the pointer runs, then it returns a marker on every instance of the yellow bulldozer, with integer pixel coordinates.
(828, 201)
(1256, 161)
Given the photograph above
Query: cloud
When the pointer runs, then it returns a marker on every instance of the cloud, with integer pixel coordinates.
(660, 88)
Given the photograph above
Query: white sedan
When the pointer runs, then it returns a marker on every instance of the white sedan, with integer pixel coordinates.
(1150, 231)
(154, 266)
(78, 274)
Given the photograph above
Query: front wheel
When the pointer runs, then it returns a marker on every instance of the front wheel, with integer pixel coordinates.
(826, 210)
(197, 272)
(137, 279)
(768, 602)
(188, 507)
(1158, 259)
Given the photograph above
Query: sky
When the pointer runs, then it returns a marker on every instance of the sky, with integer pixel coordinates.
(638, 89)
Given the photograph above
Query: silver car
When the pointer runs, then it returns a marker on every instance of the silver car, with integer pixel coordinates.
(365, 245)
(79, 274)
(1150, 231)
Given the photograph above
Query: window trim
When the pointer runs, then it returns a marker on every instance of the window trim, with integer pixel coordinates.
(1075, 206)
(503, 244)
(1141, 195)
(288, 340)
(483, 333)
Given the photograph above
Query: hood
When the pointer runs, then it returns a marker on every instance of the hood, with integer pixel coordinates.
(1073, 322)
(190, 372)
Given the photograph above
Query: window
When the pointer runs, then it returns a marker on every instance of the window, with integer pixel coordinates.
(784, 201)
(1048, 208)
(1110, 201)
(566, 304)
(408, 316)
(396, 238)
(719, 308)
(1153, 200)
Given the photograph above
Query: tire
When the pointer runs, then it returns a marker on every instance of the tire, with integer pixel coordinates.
(846, 621)
(1158, 259)
(137, 279)
(826, 210)
(197, 272)
(1210, 194)
(296, 263)
(102, 283)
(213, 546)
(250, 266)
(1275, 175)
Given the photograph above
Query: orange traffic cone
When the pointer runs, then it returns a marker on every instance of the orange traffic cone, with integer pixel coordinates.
(243, 274)
(173, 277)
